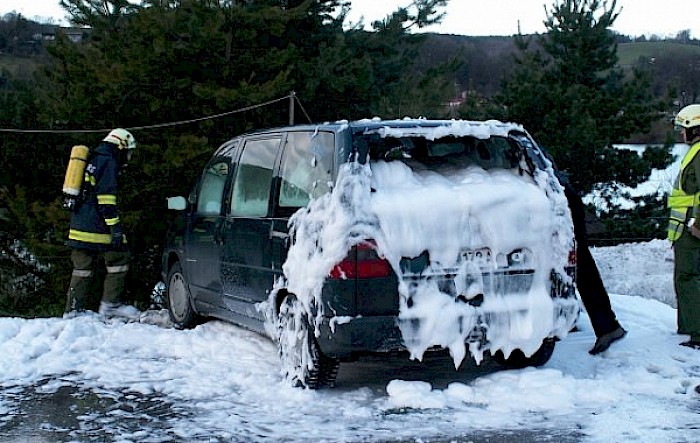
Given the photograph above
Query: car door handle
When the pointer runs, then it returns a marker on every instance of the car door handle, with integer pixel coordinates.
(279, 234)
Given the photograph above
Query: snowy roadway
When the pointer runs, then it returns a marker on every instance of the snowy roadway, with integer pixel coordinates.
(84, 380)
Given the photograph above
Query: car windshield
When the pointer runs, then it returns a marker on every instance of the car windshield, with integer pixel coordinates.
(446, 152)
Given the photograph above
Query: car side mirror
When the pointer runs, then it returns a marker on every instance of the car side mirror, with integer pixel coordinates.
(177, 203)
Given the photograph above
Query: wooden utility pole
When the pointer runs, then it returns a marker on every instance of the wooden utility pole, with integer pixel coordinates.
(292, 95)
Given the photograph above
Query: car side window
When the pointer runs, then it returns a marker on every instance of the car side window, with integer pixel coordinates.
(307, 166)
(211, 189)
(250, 196)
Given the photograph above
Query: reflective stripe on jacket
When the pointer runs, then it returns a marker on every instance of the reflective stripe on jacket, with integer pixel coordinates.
(97, 210)
(679, 201)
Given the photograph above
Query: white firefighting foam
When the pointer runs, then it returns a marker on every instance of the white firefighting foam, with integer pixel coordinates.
(407, 212)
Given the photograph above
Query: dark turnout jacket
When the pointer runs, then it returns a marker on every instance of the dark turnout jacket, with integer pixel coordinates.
(96, 211)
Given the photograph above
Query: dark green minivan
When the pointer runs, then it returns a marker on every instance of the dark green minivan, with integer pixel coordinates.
(346, 239)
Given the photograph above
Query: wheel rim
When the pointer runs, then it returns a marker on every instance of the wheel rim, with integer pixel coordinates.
(178, 296)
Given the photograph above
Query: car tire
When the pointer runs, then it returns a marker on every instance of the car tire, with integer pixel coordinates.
(178, 300)
(303, 363)
(518, 360)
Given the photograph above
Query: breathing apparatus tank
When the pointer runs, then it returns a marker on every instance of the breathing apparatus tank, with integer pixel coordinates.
(75, 173)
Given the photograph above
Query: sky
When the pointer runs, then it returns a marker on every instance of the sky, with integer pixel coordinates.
(484, 17)
(148, 382)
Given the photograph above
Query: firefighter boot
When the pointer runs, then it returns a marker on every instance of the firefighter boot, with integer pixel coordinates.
(76, 300)
(117, 263)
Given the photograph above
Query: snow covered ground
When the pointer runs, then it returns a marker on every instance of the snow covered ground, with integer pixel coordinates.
(82, 379)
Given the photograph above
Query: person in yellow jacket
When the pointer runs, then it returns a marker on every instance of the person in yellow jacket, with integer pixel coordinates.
(684, 228)
(96, 228)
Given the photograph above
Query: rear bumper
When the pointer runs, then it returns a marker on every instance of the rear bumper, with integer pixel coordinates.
(361, 335)
(351, 338)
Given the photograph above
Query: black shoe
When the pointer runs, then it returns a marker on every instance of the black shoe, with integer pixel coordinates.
(694, 344)
(604, 341)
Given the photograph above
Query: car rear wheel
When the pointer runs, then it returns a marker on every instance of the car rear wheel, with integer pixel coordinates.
(179, 300)
(303, 363)
(517, 360)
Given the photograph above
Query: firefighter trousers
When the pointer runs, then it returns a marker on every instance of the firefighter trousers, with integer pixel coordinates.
(686, 281)
(84, 264)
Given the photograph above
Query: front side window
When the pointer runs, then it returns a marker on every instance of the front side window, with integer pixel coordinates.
(211, 189)
(307, 167)
(251, 189)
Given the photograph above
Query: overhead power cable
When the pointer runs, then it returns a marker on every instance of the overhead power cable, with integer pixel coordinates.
(296, 97)
(160, 125)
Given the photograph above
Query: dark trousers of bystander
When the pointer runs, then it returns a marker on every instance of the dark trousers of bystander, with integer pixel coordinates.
(593, 294)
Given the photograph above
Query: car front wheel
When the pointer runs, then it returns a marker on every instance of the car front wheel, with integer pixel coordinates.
(179, 300)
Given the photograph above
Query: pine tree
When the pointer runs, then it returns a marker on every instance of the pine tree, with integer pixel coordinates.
(568, 92)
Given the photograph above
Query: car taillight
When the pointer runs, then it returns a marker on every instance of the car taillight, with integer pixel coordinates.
(361, 262)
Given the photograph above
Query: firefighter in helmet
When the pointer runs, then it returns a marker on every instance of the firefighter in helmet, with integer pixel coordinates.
(96, 229)
(684, 228)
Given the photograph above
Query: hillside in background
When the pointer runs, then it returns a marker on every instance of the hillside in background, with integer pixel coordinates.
(483, 62)
(486, 60)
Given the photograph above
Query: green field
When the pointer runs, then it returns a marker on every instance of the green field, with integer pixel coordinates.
(629, 53)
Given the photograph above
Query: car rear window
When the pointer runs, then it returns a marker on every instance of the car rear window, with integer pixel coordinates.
(446, 152)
